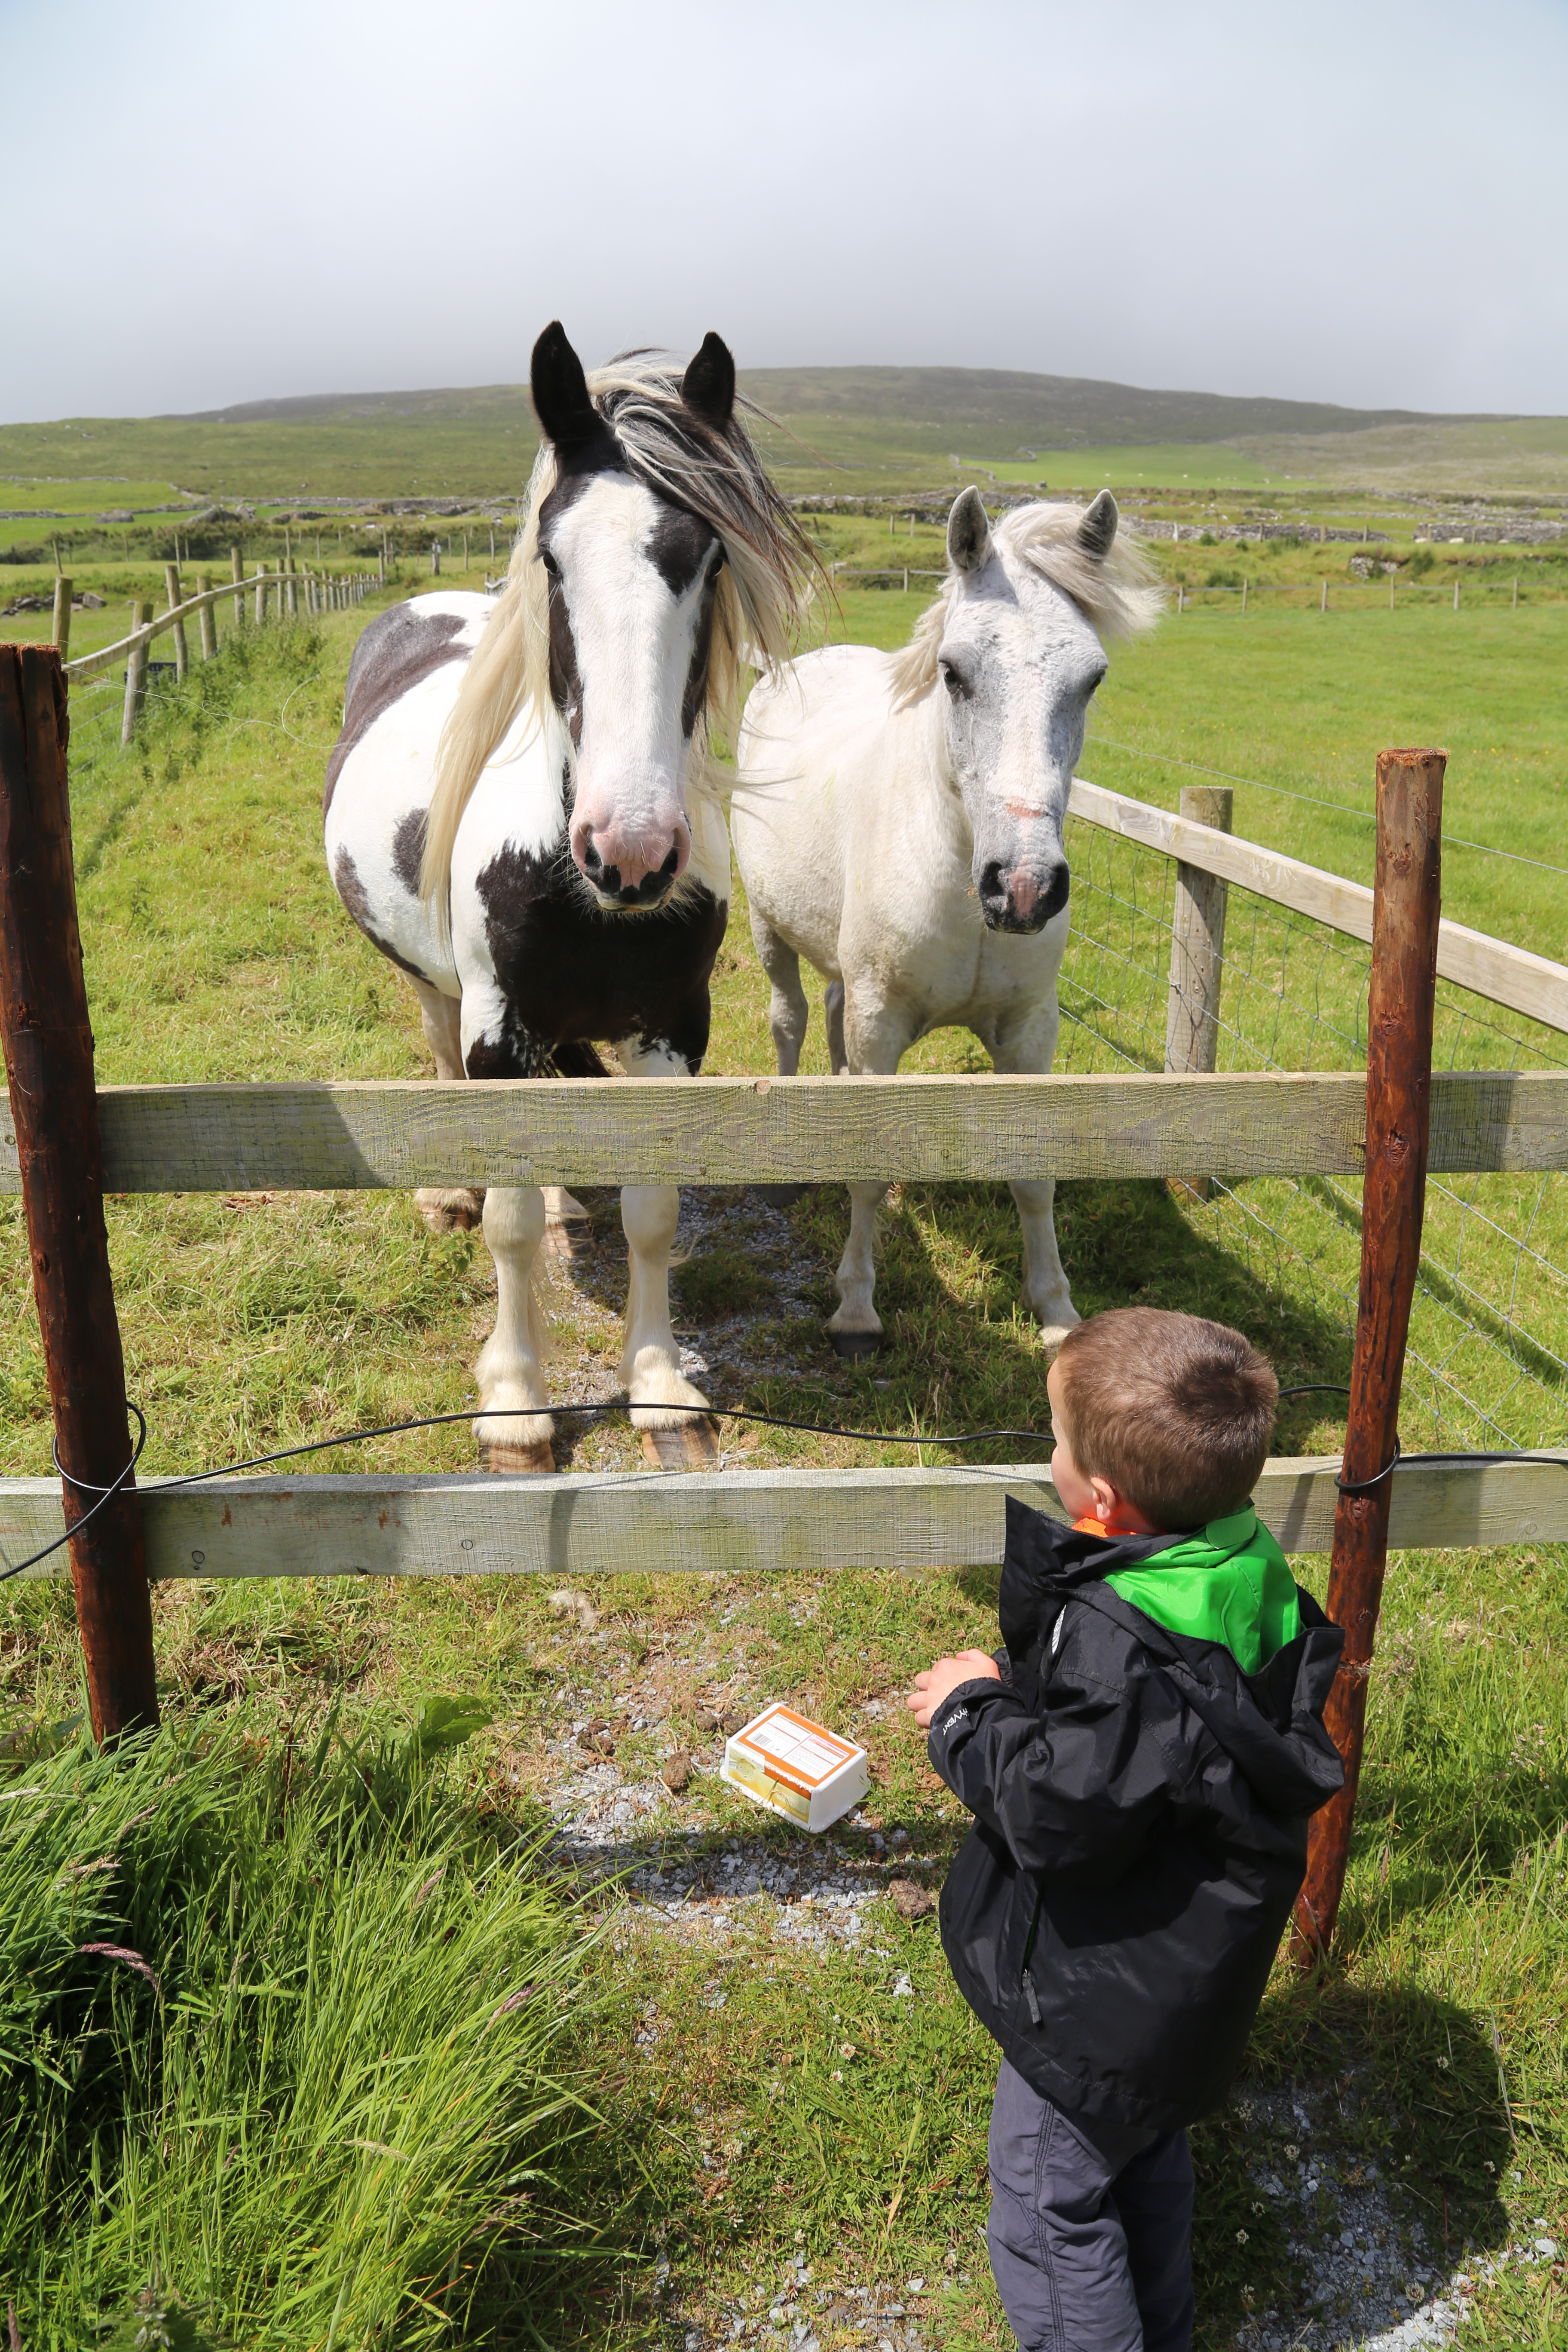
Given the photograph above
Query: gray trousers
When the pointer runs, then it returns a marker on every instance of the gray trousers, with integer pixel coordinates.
(1090, 2237)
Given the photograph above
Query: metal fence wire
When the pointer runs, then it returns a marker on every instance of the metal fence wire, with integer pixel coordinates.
(1485, 1367)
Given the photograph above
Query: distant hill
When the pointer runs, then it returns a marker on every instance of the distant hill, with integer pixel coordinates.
(853, 428)
(1056, 412)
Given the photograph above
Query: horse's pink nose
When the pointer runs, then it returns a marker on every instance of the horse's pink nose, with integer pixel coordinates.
(635, 866)
(1022, 898)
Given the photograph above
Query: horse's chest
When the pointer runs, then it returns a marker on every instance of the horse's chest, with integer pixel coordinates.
(572, 973)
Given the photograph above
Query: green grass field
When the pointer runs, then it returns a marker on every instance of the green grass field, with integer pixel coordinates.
(766, 2090)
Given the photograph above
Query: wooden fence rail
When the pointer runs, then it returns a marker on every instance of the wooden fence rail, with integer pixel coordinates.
(736, 1522)
(1526, 984)
(351, 589)
(398, 1134)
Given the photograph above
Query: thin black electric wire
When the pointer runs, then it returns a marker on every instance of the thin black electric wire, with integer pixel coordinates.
(105, 1494)
(710, 1412)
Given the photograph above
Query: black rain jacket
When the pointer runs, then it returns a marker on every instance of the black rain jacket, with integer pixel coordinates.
(1139, 1837)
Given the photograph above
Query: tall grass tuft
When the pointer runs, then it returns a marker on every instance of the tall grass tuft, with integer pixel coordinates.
(282, 2046)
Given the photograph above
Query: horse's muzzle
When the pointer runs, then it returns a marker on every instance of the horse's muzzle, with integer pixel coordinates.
(630, 874)
(1022, 898)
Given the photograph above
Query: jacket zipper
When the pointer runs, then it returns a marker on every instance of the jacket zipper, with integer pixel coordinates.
(1029, 1955)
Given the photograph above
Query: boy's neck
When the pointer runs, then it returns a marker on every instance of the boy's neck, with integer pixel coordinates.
(1119, 1524)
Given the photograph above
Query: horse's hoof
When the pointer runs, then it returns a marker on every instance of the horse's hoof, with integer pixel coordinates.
(535, 1456)
(855, 1346)
(780, 1196)
(693, 1446)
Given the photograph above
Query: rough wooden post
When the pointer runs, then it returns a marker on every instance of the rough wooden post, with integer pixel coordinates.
(60, 627)
(177, 596)
(434, 558)
(237, 570)
(1197, 957)
(1399, 1014)
(135, 676)
(53, 1110)
(206, 619)
(260, 594)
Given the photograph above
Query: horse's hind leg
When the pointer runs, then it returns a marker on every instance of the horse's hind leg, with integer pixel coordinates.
(788, 1015)
(508, 1371)
(445, 1209)
(833, 1007)
(788, 1012)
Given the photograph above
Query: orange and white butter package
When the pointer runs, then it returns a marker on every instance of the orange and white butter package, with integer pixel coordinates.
(795, 1768)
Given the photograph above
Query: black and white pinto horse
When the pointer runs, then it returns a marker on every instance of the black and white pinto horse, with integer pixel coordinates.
(522, 809)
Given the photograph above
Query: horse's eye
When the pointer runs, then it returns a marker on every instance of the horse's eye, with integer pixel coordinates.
(956, 683)
(550, 563)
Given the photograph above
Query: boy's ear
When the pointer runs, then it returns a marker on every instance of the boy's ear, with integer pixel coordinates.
(1106, 1498)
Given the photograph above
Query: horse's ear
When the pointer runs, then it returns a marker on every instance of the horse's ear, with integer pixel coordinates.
(708, 387)
(560, 389)
(968, 532)
(1098, 529)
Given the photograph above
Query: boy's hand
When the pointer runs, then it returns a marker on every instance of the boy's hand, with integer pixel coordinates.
(931, 1688)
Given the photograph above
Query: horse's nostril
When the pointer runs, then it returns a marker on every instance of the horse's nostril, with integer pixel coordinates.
(992, 882)
(591, 858)
(671, 862)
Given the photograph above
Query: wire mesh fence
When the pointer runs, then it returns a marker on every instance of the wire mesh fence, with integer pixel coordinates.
(1488, 1361)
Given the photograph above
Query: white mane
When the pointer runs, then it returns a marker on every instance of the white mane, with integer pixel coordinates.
(1119, 593)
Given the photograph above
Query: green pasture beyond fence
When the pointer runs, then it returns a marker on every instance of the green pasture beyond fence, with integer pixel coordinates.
(1269, 1141)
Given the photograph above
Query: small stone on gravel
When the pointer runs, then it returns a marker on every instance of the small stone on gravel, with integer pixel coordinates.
(910, 1901)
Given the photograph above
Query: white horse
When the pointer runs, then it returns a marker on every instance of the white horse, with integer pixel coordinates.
(522, 811)
(898, 820)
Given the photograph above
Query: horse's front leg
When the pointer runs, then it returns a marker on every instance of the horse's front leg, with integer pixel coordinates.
(509, 1369)
(1027, 1044)
(662, 1398)
(876, 1041)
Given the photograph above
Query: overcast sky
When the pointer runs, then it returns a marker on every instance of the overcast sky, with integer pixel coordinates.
(1361, 202)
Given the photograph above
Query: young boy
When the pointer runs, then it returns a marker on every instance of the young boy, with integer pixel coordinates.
(1141, 1761)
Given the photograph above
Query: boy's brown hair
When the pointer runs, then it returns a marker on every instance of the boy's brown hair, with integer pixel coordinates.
(1176, 1410)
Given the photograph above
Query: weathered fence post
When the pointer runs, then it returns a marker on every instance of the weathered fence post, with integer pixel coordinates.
(1399, 1018)
(1197, 957)
(237, 570)
(1323, 601)
(260, 594)
(60, 626)
(135, 676)
(177, 597)
(1244, 588)
(53, 1110)
(434, 558)
(206, 619)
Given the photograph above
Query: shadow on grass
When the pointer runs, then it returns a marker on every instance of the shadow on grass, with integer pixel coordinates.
(949, 1278)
